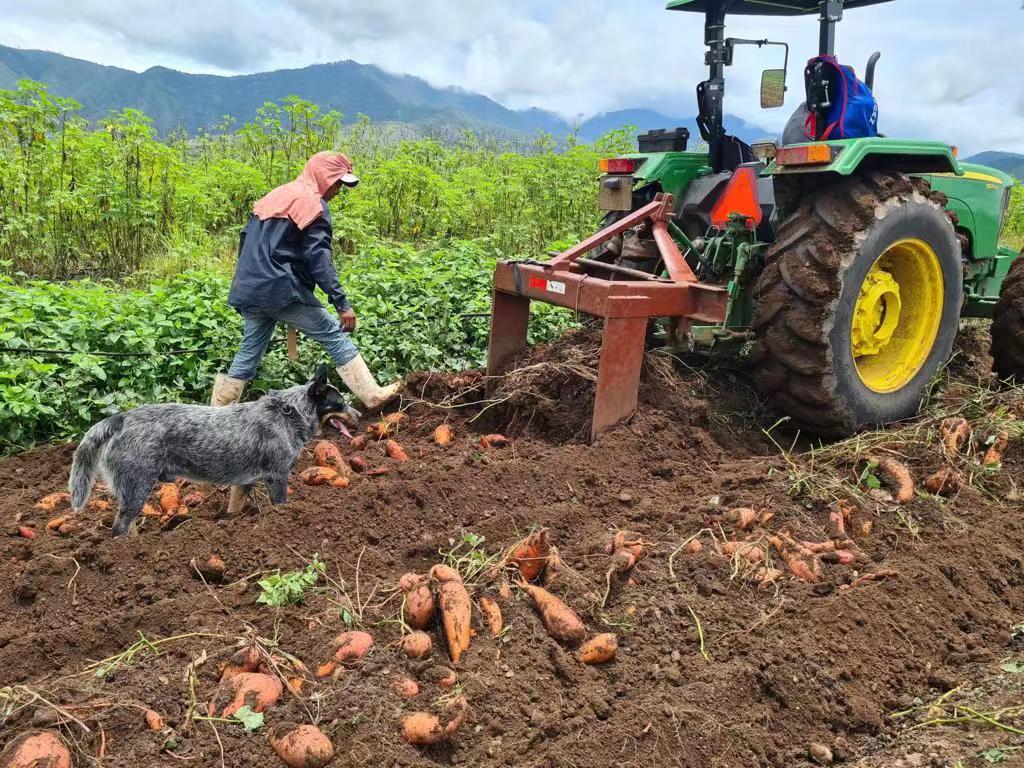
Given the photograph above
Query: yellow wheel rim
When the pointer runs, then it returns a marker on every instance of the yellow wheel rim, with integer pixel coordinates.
(897, 315)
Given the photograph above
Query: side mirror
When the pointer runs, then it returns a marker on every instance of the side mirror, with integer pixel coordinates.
(773, 88)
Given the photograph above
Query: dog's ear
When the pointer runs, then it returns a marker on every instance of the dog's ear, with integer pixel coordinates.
(318, 386)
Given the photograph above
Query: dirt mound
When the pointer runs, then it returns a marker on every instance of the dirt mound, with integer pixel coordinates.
(712, 669)
(549, 394)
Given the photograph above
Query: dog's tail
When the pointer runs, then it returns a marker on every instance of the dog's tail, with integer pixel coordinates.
(86, 463)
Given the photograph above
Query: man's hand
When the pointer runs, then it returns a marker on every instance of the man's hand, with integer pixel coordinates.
(348, 321)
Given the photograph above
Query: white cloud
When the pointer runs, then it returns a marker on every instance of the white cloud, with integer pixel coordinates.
(947, 71)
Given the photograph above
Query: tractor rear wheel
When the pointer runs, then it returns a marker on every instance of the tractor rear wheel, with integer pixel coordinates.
(858, 304)
(1008, 325)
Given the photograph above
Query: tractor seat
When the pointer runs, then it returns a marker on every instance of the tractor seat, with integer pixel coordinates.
(793, 133)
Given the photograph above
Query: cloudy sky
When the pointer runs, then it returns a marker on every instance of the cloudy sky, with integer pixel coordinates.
(950, 69)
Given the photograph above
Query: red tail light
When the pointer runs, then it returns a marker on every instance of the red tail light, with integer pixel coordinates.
(617, 165)
(740, 196)
(807, 154)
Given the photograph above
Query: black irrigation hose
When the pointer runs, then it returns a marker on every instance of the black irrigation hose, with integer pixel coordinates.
(195, 351)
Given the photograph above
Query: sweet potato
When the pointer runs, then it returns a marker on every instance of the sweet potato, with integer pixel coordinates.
(377, 472)
(443, 434)
(326, 454)
(245, 659)
(841, 556)
(492, 615)
(254, 689)
(693, 546)
(409, 580)
(894, 474)
(169, 497)
(745, 550)
(741, 518)
(504, 590)
(621, 562)
(493, 441)
(945, 482)
(444, 573)
(765, 576)
(405, 687)
(339, 481)
(153, 720)
(101, 505)
(994, 454)
(148, 510)
(456, 609)
(51, 501)
(417, 645)
(327, 668)
(25, 532)
(599, 649)
(36, 749)
(395, 419)
(954, 433)
(379, 431)
(193, 499)
(301, 746)
(357, 463)
(864, 528)
(357, 443)
(294, 685)
(555, 567)
(419, 606)
(427, 728)
(351, 646)
(212, 569)
(57, 522)
(319, 476)
(443, 677)
(630, 541)
(395, 451)
(530, 555)
(560, 620)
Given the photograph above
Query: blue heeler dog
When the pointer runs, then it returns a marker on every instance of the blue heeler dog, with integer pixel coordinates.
(236, 445)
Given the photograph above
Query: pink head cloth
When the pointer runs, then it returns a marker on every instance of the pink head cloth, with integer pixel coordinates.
(299, 200)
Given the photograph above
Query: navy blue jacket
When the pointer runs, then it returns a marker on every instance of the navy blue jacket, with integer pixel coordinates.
(280, 264)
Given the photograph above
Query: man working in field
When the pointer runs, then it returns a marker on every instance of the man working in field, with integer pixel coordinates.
(283, 255)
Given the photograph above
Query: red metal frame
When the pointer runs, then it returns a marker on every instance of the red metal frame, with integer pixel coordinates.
(625, 305)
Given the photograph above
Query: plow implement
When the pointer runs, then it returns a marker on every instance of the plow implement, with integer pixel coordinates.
(627, 299)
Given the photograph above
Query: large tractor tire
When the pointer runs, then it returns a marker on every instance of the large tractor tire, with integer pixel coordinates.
(1008, 325)
(858, 304)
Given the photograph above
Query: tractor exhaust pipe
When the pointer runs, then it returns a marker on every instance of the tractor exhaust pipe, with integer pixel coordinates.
(869, 73)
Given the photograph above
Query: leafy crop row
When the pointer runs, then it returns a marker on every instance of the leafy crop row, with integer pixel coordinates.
(411, 304)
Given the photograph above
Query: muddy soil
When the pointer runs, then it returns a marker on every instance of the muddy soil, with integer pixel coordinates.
(713, 669)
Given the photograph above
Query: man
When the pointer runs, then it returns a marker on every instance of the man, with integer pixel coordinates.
(284, 253)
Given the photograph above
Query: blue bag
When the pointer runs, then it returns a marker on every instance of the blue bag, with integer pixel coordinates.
(854, 110)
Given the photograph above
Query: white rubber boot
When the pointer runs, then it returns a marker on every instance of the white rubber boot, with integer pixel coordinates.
(226, 390)
(360, 382)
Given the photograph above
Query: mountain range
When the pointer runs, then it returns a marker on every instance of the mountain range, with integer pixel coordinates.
(1010, 162)
(176, 99)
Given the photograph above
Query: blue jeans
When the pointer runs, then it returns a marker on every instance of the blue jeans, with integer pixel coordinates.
(315, 322)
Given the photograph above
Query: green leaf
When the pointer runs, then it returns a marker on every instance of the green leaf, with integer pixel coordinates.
(251, 721)
(1014, 667)
(994, 755)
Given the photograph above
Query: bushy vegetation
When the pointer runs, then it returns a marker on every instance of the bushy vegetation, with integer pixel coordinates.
(1013, 231)
(172, 336)
(111, 199)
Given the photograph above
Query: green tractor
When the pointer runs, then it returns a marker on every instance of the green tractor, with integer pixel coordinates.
(840, 267)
